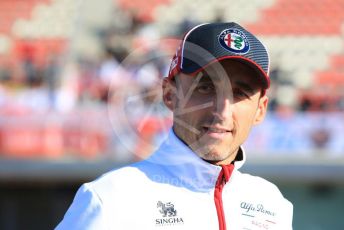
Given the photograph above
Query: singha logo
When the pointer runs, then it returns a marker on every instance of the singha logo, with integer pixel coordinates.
(167, 209)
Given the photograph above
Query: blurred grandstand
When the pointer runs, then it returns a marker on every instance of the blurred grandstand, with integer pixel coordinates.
(80, 94)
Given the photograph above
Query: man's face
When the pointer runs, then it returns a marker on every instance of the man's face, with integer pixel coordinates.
(214, 111)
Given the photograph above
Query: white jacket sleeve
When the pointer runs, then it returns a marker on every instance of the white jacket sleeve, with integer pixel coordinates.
(86, 212)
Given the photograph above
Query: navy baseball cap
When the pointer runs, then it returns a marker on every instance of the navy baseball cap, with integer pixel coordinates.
(212, 42)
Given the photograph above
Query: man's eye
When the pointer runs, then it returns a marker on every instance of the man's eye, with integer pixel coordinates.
(205, 89)
(239, 94)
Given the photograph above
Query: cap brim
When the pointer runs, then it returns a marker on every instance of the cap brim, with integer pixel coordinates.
(265, 80)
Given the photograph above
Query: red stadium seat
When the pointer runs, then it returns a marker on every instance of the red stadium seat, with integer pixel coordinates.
(301, 18)
(338, 62)
(331, 78)
(40, 49)
(11, 10)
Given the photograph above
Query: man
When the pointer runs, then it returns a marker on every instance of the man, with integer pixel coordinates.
(216, 90)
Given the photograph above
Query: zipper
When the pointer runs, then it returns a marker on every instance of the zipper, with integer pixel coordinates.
(223, 178)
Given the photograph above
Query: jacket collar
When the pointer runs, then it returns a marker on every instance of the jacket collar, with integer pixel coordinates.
(184, 165)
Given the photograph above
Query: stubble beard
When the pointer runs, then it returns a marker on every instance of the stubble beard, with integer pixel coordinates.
(212, 153)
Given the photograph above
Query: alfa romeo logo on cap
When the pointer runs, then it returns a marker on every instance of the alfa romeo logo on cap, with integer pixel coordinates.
(234, 40)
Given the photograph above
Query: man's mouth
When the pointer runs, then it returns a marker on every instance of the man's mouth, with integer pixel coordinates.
(217, 132)
(217, 129)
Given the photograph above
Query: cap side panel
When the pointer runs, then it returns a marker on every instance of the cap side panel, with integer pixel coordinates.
(185, 37)
(267, 52)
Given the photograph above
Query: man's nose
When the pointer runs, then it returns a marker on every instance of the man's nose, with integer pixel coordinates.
(223, 107)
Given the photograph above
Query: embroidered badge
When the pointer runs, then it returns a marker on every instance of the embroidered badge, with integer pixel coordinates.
(257, 215)
(234, 40)
(169, 215)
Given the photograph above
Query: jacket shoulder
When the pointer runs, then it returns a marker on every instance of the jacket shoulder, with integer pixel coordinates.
(116, 179)
(95, 202)
(261, 187)
(125, 179)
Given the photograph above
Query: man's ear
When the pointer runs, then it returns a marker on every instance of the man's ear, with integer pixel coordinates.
(169, 93)
(261, 110)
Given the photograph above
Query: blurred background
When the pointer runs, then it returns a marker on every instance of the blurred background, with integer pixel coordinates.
(80, 95)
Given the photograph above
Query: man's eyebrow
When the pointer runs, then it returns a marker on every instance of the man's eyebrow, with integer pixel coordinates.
(207, 78)
(244, 86)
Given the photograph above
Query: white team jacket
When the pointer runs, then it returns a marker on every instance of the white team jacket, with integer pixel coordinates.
(175, 189)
